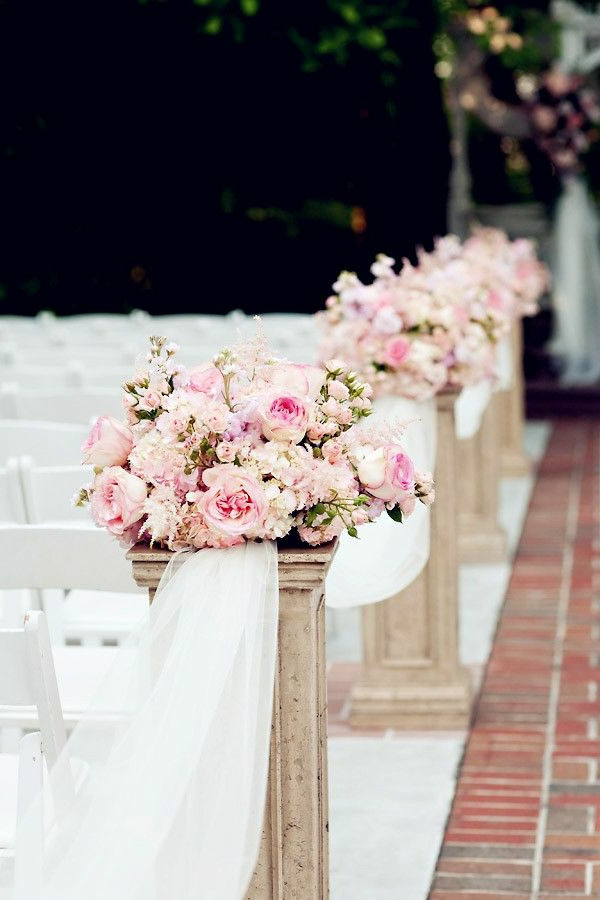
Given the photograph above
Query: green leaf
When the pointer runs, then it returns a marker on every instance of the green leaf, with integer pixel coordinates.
(395, 513)
(249, 7)
(319, 509)
(213, 25)
(352, 531)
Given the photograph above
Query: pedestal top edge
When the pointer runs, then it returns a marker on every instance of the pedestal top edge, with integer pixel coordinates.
(142, 553)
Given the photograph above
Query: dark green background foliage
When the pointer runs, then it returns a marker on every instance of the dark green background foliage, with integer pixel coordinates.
(181, 155)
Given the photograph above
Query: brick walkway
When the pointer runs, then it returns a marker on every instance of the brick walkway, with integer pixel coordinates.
(526, 816)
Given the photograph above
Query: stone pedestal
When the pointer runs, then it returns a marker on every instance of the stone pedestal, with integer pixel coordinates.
(411, 676)
(481, 540)
(293, 860)
(514, 462)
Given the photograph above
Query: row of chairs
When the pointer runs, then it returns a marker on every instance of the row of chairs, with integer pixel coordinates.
(39, 494)
(43, 689)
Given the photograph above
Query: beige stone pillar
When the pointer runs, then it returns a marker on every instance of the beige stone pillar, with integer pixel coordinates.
(513, 459)
(411, 675)
(481, 540)
(293, 861)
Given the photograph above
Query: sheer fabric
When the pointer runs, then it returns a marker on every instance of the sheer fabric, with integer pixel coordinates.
(470, 407)
(387, 557)
(174, 749)
(576, 277)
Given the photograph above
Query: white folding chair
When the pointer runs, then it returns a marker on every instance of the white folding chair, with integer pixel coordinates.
(50, 443)
(60, 375)
(90, 617)
(28, 682)
(12, 505)
(77, 405)
(12, 511)
(39, 557)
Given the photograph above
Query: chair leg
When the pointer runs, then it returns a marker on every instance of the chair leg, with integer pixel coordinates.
(29, 841)
(10, 739)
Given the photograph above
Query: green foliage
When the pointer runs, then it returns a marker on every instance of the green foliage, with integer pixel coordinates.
(342, 28)
(395, 513)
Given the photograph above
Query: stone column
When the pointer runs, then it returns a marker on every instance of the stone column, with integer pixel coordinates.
(481, 540)
(293, 861)
(514, 461)
(411, 675)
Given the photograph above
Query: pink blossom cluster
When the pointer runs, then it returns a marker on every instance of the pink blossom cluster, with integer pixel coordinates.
(437, 322)
(249, 447)
(565, 117)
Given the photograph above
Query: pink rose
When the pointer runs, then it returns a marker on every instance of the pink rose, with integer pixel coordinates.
(109, 443)
(234, 503)
(118, 499)
(386, 472)
(284, 418)
(395, 351)
(205, 380)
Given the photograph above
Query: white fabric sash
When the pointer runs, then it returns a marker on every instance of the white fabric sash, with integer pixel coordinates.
(505, 364)
(388, 557)
(469, 409)
(576, 277)
(175, 748)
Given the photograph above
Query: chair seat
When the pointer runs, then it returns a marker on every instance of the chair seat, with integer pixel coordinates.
(79, 672)
(110, 615)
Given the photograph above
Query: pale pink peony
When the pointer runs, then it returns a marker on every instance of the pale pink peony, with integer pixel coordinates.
(301, 380)
(395, 351)
(284, 418)
(386, 472)
(109, 443)
(205, 380)
(234, 503)
(118, 499)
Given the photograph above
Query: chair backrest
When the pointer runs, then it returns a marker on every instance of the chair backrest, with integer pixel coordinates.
(48, 492)
(46, 442)
(65, 557)
(12, 506)
(28, 678)
(47, 377)
(77, 405)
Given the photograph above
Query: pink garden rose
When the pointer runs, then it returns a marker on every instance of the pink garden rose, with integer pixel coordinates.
(205, 380)
(395, 351)
(386, 472)
(109, 443)
(284, 418)
(118, 499)
(234, 503)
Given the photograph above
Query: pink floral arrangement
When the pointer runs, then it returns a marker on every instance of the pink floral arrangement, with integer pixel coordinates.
(565, 116)
(436, 323)
(249, 447)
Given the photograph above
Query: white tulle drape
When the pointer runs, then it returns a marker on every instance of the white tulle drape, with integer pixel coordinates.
(469, 409)
(174, 751)
(388, 557)
(576, 278)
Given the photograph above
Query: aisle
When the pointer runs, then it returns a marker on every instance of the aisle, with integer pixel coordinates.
(525, 820)
(391, 792)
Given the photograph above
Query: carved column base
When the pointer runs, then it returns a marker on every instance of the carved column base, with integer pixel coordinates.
(481, 541)
(414, 707)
